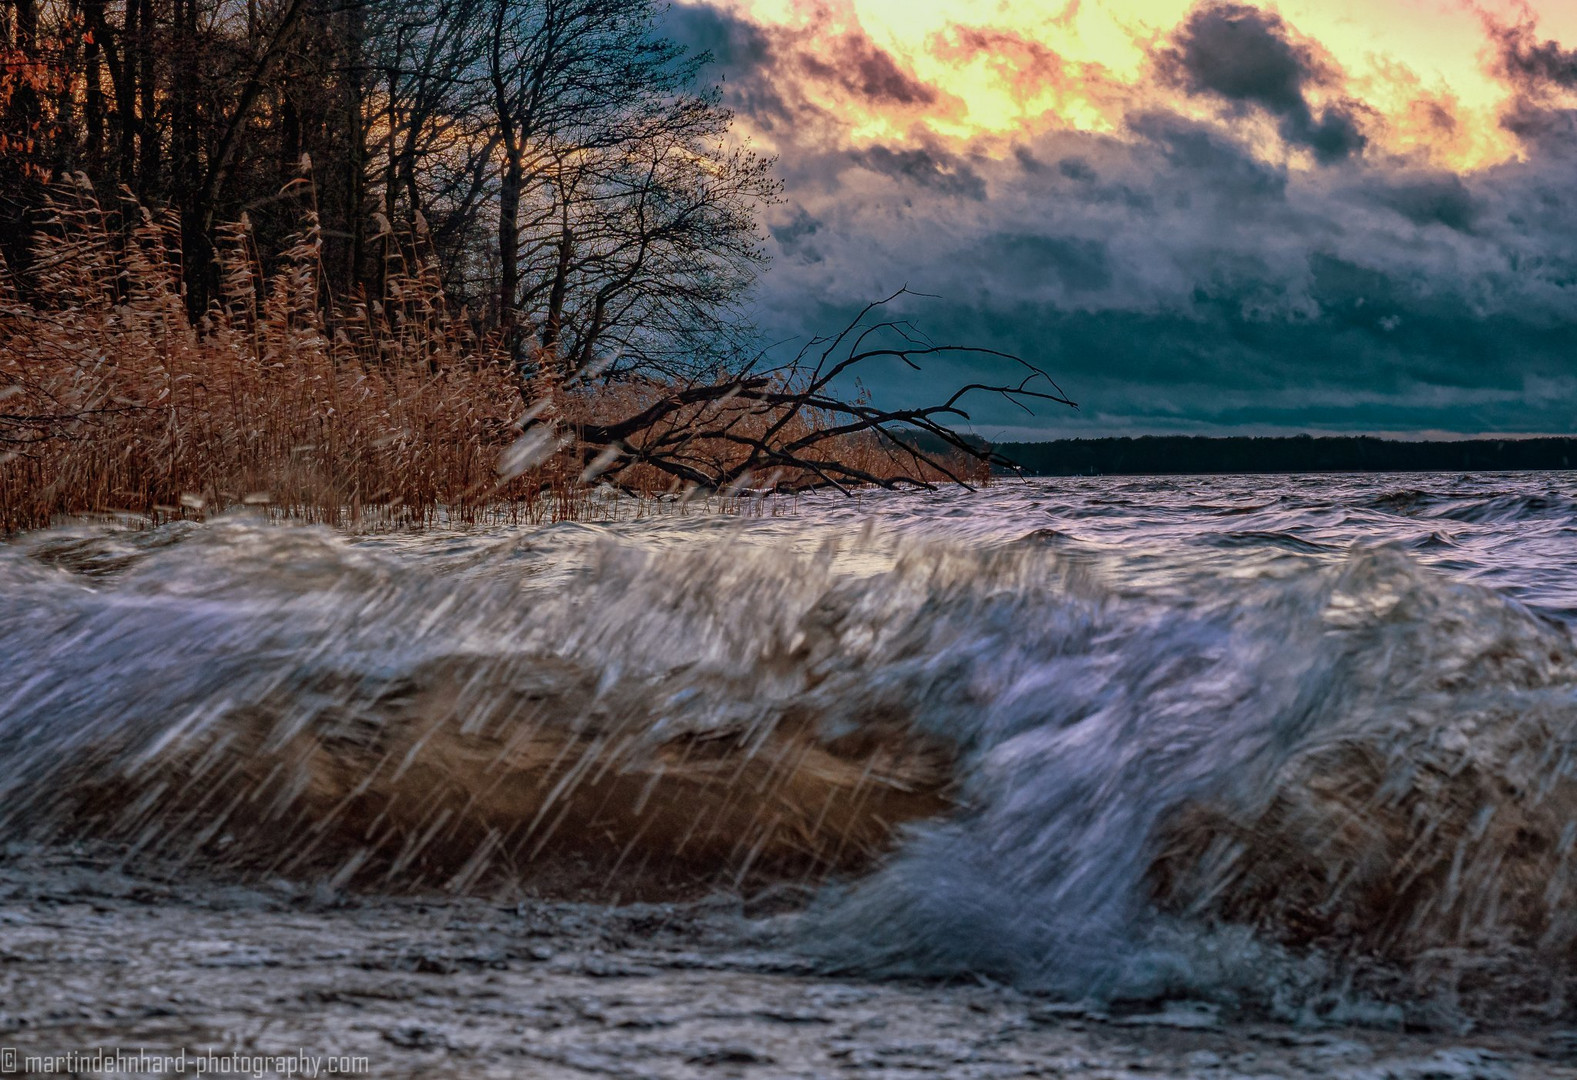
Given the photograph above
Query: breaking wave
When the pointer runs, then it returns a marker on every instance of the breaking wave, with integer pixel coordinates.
(1362, 759)
(1245, 763)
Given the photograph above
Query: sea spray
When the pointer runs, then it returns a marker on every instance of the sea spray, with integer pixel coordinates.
(1238, 744)
(1364, 759)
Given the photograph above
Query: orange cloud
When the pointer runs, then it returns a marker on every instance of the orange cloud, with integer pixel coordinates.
(1417, 78)
(854, 62)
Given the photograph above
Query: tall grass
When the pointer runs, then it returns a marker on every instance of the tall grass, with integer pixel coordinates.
(336, 410)
(115, 399)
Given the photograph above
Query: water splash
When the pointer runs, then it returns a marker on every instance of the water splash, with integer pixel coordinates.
(1149, 740)
(1362, 758)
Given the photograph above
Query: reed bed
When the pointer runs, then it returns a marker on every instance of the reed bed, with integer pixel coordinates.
(115, 399)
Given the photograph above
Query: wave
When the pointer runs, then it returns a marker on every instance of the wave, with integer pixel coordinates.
(1404, 501)
(1266, 538)
(1474, 507)
(278, 701)
(1364, 759)
(1008, 759)
(1508, 508)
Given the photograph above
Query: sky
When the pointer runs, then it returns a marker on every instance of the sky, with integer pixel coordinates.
(1333, 216)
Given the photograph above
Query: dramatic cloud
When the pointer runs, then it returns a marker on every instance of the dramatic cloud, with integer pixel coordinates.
(743, 52)
(1176, 268)
(1247, 57)
(1027, 65)
(1542, 73)
(933, 169)
(1534, 63)
(852, 61)
(770, 71)
(1434, 199)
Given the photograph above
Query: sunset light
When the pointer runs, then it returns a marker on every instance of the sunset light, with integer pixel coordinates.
(990, 71)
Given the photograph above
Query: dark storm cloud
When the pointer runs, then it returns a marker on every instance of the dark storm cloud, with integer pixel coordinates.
(1080, 265)
(1167, 273)
(1539, 71)
(1246, 57)
(1434, 199)
(936, 170)
(1242, 54)
(1543, 129)
(732, 42)
(1199, 149)
(1172, 282)
(1027, 160)
(1531, 62)
(794, 236)
(864, 69)
(1076, 168)
(763, 69)
(743, 55)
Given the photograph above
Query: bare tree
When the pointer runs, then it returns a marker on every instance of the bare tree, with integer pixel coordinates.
(573, 81)
(657, 244)
(438, 149)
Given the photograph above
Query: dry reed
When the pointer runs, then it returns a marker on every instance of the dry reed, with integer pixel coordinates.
(117, 400)
(113, 398)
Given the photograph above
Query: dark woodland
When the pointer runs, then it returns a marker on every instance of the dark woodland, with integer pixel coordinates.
(569, 166)
(1162, 455)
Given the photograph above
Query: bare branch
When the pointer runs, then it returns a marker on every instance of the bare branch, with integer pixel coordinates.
(717, 432)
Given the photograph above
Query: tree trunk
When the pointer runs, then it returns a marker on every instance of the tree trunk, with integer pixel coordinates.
(63, 108)
(93, 91)
(355, 143)
(588, 343)
(289, 136)
(26, 25)
(126, 96)
(104, 46)
(509, 192)
(185, 100)
(554, 326)
(198, 241)
(148, 122)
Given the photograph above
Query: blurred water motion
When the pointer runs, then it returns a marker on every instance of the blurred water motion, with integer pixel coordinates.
(1150, 736)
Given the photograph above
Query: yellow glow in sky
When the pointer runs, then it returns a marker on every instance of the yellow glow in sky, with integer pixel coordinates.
(1005, 68)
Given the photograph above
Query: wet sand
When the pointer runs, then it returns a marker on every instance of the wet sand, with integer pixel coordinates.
(95, 957)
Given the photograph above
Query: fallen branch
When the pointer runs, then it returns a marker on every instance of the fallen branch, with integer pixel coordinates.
(790, 421)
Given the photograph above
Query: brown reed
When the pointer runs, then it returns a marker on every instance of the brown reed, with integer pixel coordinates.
(117, 400)
(114, 399)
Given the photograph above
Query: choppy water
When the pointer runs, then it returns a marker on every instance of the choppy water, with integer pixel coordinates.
(1152, 736)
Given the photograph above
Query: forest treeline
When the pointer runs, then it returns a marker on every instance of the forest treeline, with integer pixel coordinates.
(1185, 455)
(571, 169)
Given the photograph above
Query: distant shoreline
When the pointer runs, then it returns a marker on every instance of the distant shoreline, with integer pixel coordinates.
(1191, 454)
